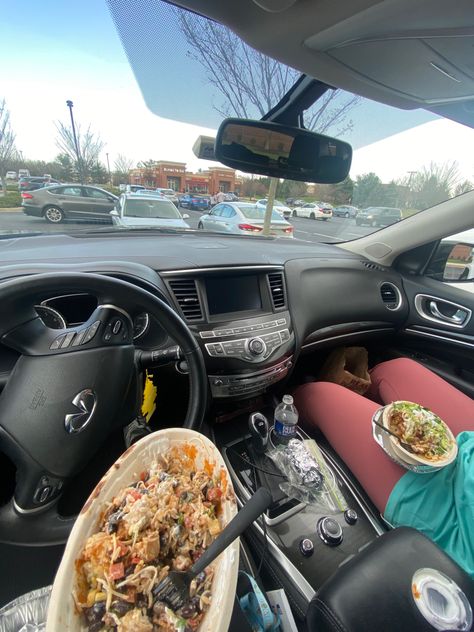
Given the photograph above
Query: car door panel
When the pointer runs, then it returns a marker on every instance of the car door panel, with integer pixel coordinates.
(96, 204)
(70, 200)
(441, 343)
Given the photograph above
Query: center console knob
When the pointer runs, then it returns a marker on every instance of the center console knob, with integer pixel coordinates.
(330, 531)
(256, 346)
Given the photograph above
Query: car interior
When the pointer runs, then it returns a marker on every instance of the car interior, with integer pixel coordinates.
(225, 325)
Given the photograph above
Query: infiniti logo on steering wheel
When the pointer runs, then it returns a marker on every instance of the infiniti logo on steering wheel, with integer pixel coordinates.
(86, 402)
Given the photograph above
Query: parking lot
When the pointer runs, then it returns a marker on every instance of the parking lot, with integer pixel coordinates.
(331, 231)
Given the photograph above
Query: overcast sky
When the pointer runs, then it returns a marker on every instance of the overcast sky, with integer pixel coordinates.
(52, 51)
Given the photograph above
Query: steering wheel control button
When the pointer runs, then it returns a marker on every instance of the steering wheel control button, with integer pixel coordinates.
(350, 516)
(68, 339)
(91, 332)
(306, 547)
(330, 531)
(116, 327)
(256, 346)
(57, 342)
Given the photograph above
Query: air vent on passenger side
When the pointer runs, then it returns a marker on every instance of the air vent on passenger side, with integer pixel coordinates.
(277, 289)
(391, 295)
(186, 294)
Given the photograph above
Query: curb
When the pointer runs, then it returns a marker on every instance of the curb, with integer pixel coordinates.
(13, 209)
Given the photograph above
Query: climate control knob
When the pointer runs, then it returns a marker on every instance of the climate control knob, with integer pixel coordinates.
(256, 346)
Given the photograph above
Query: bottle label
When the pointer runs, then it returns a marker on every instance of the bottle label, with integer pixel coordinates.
(285, 430)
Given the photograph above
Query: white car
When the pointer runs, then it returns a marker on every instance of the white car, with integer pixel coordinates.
(278, 206)
(314, 210)
(170, 195)
(139, 210)
(10, 175)
(242, 218)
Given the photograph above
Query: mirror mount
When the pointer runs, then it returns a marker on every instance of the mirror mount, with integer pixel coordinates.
(280, 151)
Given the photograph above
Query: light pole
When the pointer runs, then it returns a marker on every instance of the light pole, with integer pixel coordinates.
(108, 169)
(70, 105)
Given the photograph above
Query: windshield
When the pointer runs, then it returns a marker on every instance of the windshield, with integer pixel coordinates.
(122, 108)
(150, 208)
(253, 212)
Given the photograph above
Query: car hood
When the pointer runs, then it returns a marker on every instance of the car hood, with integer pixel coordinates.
(150, 221)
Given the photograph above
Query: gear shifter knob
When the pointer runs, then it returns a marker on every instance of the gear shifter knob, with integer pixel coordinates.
(259, 429)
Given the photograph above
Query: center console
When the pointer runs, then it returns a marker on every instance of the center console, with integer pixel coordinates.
(240, 318)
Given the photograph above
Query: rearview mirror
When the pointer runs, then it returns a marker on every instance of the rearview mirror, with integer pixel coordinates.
(282, 152)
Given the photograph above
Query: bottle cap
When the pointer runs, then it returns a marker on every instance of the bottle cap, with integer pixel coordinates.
(287, 399)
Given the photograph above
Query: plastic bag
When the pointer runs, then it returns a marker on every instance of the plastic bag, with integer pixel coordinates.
(27, 613)
(347, 366)
(309, 480)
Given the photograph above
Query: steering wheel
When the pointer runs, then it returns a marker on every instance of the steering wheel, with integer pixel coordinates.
(70, 388)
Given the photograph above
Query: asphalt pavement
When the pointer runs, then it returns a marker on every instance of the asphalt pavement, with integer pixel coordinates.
(330, 231)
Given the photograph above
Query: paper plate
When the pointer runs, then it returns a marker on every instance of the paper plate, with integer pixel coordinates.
(62, 614)
(417, 459)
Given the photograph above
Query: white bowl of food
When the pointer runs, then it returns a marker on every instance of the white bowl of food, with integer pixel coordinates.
(157, 508)
(430, 439)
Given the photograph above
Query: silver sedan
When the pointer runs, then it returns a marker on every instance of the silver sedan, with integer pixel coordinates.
(243, 219)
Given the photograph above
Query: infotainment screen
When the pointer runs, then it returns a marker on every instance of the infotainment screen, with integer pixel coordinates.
(233, 294)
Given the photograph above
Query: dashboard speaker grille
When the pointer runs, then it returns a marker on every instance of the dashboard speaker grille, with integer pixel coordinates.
(277, 289)
(187, 297)
(390, 295)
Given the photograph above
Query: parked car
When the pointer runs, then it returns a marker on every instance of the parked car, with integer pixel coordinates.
(195, 202)
(278, 206)
(378, 216)
(133, 188)
(230, 196)
(345, 211)
(69, 201)
(313, 210)
(31, 183)
(10, 175)
(138, 209)
(294, 202)
(170, 194)
(243, 218)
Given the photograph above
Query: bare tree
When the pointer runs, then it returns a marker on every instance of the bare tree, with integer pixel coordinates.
(8, 150)
(433, 184)
(250, 82)
(90, 146)
(463, 187)
(122, 165)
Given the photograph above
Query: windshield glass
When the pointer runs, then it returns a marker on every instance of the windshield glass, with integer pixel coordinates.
(150, 208)
(253, 212)
(122, 107)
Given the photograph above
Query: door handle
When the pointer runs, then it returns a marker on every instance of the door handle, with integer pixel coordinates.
(457, 318)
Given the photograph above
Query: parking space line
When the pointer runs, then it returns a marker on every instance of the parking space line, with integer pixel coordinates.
(327, 236)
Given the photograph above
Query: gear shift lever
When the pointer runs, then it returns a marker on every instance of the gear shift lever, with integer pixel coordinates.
(259, 429)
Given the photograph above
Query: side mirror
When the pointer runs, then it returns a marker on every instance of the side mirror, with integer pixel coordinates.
(185, 216)
(280, 151)
(459, 263)
(114, 213)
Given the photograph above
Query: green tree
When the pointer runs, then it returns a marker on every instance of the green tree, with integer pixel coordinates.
(291, 188)
(340, 193)
(463, 187)
(99, 174)
(65, 167)
(367, 190)
(8, 151)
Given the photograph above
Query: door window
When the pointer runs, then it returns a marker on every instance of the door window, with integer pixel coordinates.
(217, 211)
(95, 193)
(228, 212)
(75, 191)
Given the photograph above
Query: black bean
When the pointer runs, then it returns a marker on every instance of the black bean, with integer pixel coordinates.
(141, 600)
(112, 522)
(201, 577)
(94, 615)
(121, 607)
(188, 610)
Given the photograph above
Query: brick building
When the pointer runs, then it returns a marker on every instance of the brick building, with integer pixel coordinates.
(173, 175)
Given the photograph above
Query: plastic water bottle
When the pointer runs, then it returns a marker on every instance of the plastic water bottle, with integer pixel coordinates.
(285, 420)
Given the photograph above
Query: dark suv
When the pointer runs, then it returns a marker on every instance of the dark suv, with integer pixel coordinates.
(378, 216)
(31, 183)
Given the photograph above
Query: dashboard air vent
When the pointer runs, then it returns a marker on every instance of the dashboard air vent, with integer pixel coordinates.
(372, 266)
(390, 295)
(186, 294)
(277, 289)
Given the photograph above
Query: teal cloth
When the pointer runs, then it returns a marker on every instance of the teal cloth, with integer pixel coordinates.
(441, 505)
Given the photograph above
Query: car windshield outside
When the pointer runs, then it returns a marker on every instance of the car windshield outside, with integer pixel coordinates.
(108, 121)
(150, 208)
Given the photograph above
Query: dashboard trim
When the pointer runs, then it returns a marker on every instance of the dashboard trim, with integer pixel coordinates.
(448, 339)
(351, 334)
(198, 271)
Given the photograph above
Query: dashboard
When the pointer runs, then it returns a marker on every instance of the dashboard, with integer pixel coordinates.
(253, 307)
